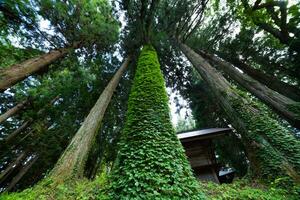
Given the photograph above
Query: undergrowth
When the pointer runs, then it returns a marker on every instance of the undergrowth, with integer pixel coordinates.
(246, 190)
(97, 190)
(76, 190)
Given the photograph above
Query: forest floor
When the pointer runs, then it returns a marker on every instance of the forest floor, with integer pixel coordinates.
(86, 190)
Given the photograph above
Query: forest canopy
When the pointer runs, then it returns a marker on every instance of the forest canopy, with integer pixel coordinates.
(95, 93)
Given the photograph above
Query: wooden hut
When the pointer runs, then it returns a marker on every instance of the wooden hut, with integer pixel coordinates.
(200, 151)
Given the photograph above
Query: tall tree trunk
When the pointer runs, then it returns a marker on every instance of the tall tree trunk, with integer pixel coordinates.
(71, 163)
(272, 82)
(5, 173)
(278, 102)
(13, 111)
(13, 74)
(21, 173)
(151, 162)
(270, 146)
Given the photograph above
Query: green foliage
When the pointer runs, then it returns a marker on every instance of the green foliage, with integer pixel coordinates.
(243, 189)
(97, 190)
(10, 54)
(89, 22)
(295, 108)
(75, 190)
(231, 37)
(78, 85)
(12, 14)
(185, 124)
(230, 34)
(47, 24)
(151, 163)
(273, 145)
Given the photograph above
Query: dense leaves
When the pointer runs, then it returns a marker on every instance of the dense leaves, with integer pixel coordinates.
(151, 162)
(260, 38)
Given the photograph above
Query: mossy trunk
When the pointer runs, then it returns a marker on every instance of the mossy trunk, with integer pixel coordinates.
(11, 112)
(15, 73)
(71, 163)
(269, 145)
(279, 103)
(151, 163)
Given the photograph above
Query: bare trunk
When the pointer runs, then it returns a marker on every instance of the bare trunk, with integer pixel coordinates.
(5, 173)
(272, 82)
(13, 111)
(18, 72)
(269, 145)
(71, 163)
(21, 173)
(278, 102)
(19, 130)
(23, 127)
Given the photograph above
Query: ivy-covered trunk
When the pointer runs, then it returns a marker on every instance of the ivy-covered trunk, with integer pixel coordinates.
(272, 149)
(151, 163)
(72, 162)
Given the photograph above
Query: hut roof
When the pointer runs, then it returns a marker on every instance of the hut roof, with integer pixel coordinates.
(203, 134)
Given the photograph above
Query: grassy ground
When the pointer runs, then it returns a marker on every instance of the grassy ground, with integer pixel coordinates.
(84, 190)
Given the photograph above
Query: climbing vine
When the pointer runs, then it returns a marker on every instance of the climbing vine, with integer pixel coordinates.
(275, 146)
(151, 163)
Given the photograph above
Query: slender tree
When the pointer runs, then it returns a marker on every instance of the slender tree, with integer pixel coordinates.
(9, 113)
(22, 172)
(8, 170)
(72, 162)
(28, 122)
(19, 130)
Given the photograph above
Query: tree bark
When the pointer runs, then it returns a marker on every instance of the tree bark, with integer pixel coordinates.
(269, 145)
(11, 136)
(13, 111)
(5, 173)
(21, 173)
(272, 82)
(278, 102)
(15, 73)
(71, 163)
